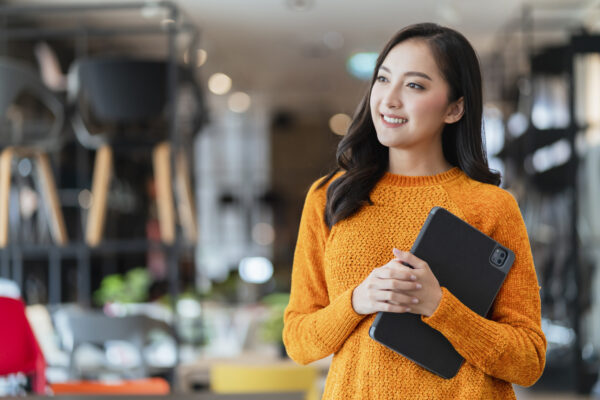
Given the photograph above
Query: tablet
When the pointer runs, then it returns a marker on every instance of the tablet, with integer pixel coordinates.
(470, 264)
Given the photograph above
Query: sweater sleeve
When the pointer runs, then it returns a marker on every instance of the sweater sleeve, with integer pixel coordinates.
(510, 345)
(315, 325)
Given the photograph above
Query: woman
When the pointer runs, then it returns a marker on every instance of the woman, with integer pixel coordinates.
(415, 143)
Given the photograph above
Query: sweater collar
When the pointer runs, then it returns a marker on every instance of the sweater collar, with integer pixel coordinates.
(428, 180)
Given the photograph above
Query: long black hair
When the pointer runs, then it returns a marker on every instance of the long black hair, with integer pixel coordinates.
(365, 160)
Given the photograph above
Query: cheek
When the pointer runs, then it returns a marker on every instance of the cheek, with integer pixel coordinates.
(373, 105)
(433, 104)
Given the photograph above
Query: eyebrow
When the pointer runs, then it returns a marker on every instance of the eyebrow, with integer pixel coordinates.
(409, 73)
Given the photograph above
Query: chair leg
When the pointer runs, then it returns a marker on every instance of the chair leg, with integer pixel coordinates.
(185, 199)
(5, 165)
(50, 200)
(164, 195)
(100, 186)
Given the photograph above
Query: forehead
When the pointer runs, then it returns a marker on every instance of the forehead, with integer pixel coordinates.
(412, 55)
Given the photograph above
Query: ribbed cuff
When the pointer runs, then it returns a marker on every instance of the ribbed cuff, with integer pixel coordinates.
(341, 319)
(476, 338)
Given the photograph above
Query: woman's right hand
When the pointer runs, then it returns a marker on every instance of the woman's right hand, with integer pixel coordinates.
(387, 288)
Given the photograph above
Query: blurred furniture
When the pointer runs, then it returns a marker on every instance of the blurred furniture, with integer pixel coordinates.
(196, 396)
(21, 137)
(57, 360)
(123, 101)
(98, 329)
(9, 288)
(148, 386)
(246, 378)
(19, 351)
(197, 373)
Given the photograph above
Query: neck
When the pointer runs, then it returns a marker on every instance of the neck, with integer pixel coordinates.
(410, 163)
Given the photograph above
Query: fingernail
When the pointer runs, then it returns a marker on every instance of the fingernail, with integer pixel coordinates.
(412, 277)
(415, 300)
(419, 286)
(407, 308)
(396, 252)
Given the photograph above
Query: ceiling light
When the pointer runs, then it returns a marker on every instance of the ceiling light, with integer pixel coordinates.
(340, 123)
(219, 83)
(255, 269)
(201, 56)
(239, 102)
(361, 65)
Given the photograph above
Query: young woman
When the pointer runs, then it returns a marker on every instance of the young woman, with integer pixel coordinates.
(415, 143)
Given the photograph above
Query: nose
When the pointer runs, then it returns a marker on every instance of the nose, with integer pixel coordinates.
(392, 98)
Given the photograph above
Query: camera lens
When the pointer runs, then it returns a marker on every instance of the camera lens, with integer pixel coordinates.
(498, 257)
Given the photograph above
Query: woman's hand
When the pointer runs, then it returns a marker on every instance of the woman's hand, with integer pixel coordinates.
(430, 295)
(397, 288)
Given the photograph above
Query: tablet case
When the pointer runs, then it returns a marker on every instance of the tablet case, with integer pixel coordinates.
(470, 264)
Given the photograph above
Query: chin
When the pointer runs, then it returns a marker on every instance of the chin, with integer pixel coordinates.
(389, 141)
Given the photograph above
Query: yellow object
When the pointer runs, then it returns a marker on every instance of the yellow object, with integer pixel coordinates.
(237, 378)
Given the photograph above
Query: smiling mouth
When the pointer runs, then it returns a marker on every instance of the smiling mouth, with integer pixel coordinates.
(393, 120)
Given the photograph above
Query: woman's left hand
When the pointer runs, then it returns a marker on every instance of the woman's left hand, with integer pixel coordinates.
(430, 295)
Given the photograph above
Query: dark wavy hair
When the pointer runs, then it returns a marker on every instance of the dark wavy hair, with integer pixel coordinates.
(365, 160)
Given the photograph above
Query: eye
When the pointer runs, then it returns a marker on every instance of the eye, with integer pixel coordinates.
(381, 78)
(413, 85)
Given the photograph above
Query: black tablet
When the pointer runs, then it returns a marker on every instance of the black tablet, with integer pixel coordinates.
(470, 264)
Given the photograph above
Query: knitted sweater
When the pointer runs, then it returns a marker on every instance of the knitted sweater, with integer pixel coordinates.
(328, 264)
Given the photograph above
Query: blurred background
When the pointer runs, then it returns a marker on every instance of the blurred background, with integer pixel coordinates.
(155, 156)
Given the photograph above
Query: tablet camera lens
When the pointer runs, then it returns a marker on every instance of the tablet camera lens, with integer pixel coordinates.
(498, 257)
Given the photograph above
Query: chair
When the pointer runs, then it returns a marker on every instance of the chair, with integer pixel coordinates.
(19, 351)
(123, 100)
(25, 138)
(229, 378)
(98, 329)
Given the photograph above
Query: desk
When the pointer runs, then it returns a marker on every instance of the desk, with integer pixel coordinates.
(197, 372)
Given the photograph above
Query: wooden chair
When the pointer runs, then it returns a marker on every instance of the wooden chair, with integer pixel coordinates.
(122, 92)
(29, 139)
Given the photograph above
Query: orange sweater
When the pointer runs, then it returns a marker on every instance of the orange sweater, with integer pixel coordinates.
(328, 264)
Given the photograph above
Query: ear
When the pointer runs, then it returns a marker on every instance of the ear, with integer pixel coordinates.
(455, 111)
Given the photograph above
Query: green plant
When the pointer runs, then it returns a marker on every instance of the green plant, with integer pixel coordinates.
(132, 287)
(272, 328)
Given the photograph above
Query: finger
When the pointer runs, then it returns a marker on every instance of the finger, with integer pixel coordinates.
(394, 297)
(394, 271)
(388, 307)
(394, 284)
(411, 259)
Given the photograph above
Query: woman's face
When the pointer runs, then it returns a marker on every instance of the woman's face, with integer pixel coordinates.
(409, 99)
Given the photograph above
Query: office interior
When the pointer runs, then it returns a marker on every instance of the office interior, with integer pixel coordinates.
(155, 156)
